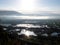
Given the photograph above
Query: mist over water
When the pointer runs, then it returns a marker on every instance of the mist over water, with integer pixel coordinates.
(37, 21)
(29, 17)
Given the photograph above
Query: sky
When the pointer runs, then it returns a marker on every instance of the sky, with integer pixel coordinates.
(31, 6)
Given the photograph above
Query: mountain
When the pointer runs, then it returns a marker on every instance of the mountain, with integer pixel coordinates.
(45, 13)
(6, 12)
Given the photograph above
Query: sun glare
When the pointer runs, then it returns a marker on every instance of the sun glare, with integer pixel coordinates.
(27, 5)
(27, 33)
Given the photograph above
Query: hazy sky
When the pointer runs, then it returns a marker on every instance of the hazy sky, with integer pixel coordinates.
(31, 6)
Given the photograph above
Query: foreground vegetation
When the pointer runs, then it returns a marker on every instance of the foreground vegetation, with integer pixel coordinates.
(13, 39)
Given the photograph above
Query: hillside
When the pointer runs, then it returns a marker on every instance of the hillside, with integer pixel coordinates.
(6, 12)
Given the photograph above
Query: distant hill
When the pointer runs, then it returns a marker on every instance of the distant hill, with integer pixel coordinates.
(4, 12)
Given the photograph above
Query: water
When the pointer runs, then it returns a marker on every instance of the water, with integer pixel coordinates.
(28, 25)
(33, 31)
(32, 25)
(30, 17)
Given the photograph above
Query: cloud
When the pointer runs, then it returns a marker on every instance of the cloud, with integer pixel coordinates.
(45, 9)
(26, 7)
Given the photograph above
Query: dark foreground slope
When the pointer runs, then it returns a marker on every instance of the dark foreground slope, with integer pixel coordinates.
(8, 38)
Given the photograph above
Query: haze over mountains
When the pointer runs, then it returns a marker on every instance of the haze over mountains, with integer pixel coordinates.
(8, 12)
(7, 16)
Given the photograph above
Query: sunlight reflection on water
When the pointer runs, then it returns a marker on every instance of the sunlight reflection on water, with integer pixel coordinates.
(27, 33)
(31, 17)
(28, 25)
